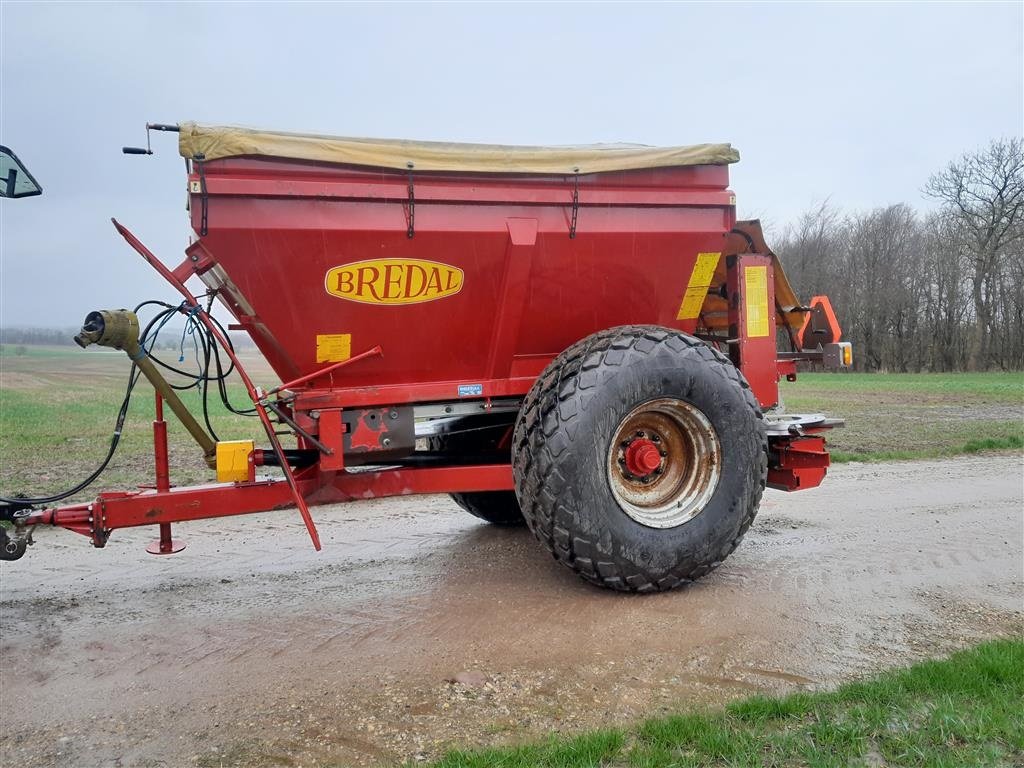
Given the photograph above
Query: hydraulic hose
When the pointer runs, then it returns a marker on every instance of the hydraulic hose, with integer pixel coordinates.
(128, 328)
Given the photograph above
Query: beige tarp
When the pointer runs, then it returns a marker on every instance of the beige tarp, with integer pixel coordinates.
(215, 142)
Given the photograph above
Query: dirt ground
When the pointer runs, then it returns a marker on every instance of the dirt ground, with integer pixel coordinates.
(248, 648)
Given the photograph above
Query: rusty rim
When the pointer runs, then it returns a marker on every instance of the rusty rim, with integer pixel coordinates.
(664, 463)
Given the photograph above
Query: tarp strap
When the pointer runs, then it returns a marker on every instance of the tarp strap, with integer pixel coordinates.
(411, 231)
(204, 199)
(575, 203)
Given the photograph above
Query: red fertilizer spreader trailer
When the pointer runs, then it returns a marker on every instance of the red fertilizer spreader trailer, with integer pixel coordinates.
(583, 340)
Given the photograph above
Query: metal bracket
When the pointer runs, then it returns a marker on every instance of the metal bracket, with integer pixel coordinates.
(97, 523)
(13, 510)
(575, 203)
(411, 231)
(285, 418)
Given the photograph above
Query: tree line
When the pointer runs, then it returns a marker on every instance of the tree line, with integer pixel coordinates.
(941, 290)
(170, 338)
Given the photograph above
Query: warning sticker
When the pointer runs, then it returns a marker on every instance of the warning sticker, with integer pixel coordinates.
(333, 347)
(697, 289)
(755, 291)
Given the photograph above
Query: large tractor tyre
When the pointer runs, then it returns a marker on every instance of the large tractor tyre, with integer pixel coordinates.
(496, 507)
(640, 456)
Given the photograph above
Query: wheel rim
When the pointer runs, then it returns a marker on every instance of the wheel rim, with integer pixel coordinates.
(664, 463)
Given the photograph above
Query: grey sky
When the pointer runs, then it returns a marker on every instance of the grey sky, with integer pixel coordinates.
(857, 102)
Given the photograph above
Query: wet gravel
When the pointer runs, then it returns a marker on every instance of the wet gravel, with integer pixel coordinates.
(418, 629)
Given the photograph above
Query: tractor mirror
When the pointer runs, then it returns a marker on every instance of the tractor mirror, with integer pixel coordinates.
(15, 180)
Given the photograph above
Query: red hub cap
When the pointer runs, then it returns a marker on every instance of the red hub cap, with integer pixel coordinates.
(642, 457)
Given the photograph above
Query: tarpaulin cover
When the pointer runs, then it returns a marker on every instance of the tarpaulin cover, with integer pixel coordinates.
(214, 142)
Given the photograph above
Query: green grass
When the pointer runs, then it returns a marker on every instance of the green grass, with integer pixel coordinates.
(1004, 443)
(891, 417)
(967, 710)
(595, 748)
(57, 411)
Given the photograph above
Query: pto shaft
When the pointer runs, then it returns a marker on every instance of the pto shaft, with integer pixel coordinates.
(119, 329)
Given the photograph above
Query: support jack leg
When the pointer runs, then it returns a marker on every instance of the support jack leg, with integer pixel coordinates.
(165, 545)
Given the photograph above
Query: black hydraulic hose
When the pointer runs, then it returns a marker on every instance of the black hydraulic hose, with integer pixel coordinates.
(201, 381)
(133, 377)
(208, 343)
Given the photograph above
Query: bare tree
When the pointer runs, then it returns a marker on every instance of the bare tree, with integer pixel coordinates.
(881, 286)
(946, 301)
(944, 292)
(812, 249)
(984, 193)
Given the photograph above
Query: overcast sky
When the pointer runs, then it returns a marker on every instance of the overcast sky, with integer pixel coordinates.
(859, 103)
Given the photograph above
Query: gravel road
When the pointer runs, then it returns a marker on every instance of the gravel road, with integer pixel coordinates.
(418, 627)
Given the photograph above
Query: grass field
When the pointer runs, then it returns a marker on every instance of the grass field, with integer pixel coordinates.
(914, 415)
(57, 412)
(962, 711)
(57, 409)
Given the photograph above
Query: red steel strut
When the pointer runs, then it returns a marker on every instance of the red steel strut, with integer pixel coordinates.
(165, 545)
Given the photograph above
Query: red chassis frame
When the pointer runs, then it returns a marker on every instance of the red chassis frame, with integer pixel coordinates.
(797, 461)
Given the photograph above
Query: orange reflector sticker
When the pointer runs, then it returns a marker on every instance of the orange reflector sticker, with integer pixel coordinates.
(333, 347)
(697, 289)
(755, 293)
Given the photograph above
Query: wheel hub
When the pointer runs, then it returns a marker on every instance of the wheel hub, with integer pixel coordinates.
(642, 457)
(664, 463)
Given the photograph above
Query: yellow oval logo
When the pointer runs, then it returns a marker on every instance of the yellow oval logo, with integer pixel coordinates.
(393, 281)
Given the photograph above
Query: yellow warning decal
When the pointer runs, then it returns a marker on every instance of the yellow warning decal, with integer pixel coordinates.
(755, 291)
(333, 347)
(697, 289)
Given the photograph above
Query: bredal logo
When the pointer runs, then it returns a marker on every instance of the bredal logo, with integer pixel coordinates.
(393, 281)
